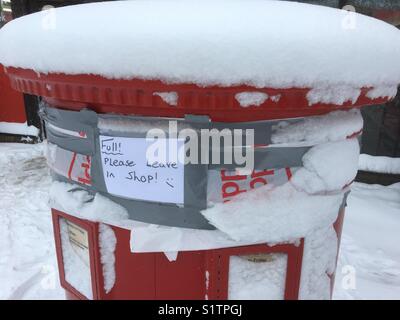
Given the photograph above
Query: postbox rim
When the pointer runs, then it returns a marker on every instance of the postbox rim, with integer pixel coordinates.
(143, 97)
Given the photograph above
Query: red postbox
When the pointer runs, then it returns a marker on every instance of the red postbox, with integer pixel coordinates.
(194, 274)
(97, 260)
(12, 102)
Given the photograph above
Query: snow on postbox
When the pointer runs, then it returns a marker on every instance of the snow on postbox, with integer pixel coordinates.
(200, 150)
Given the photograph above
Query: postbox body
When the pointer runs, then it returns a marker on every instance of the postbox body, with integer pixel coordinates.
(12, 109)
(197, 274)
(194, 275)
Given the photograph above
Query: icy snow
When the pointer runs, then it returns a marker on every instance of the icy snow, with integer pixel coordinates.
(274, 214)
(169, 97)
(257, 280)
(382, 91)
(310, 200)
(76, 268)
(144, 237)
(370, 244)
(319, 261)
(328, 167)
(275, 98)
(170, 240)
(334, 126)
(379, 164)
(304, 207)
(28, 265)
(247, 99)
(210, 42)
(18, 128)
(107, 243)
(171, 255)
(333, 95)
(78, 202)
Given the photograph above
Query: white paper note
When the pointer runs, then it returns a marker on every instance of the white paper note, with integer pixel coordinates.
(130, 174)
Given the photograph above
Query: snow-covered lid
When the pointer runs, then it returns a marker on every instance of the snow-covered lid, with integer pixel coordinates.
(334, 54)
(260, 43)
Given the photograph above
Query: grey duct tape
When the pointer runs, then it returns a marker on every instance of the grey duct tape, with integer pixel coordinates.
(150, 212)
(162, 214)
(274, 158)
(62, 121)
(195, 176)
(86, 121)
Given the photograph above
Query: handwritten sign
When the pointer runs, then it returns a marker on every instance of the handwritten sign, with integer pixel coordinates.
(130, 173)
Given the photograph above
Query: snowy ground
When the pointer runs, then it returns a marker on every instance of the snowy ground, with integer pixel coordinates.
(27, 255)
(370, 244)
(369, 262)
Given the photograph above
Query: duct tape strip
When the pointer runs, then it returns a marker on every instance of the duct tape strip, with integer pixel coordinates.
(79, 133)
(71, 130)
(154, 213)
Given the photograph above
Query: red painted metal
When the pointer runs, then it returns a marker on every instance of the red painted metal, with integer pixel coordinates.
(389, 15)
(137, 97)
(338, 226)
(92, 229)
(12, 108)
(70, 296)
(153, 276)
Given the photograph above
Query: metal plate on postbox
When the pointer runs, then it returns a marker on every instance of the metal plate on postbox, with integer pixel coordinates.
(79, 240)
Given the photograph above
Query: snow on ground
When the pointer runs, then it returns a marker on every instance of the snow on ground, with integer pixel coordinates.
(379, 164)
(27, 256)
(370, 244)
(28, 265)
